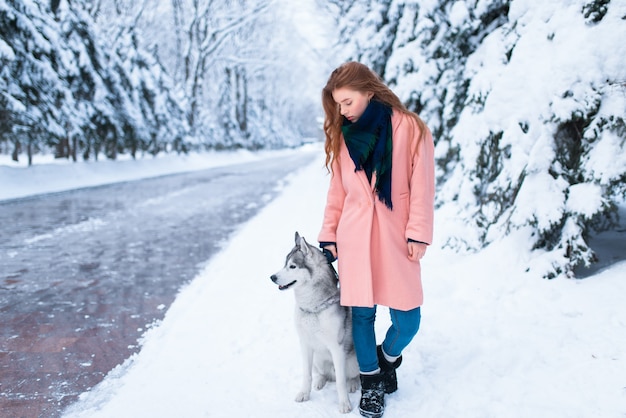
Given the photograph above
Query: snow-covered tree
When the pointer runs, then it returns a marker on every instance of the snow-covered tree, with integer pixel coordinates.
(91, 77)
(367, 29)
(66, 87)
(235, 63)
(32, 90)
(527, 105)
(142, 109)
(546, 153)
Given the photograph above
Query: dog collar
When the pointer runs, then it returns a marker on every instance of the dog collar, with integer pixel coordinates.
(323, 306)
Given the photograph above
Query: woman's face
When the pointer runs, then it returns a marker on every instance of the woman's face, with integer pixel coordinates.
(351, 103)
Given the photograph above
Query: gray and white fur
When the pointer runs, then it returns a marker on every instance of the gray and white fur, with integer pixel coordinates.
(323, 325)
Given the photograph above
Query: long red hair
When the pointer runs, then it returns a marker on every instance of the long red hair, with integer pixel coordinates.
(358, 77)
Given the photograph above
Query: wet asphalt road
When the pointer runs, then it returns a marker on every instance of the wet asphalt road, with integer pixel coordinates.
(84, 273)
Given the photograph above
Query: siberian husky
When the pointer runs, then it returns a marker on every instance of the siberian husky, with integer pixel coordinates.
(324, 326)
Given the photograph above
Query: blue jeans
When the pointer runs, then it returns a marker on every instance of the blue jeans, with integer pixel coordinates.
(404, 326)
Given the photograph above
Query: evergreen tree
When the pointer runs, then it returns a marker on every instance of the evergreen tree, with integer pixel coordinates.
(84, 78)
(138, 109)
(64, 90)
(33, 96)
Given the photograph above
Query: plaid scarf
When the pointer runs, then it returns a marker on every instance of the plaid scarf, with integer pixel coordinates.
(369, 144)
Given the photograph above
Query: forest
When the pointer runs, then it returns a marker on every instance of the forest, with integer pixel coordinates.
(526, 100)
(89, 79)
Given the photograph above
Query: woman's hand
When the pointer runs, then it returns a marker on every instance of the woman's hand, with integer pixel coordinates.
(416, 250)
(333, 250)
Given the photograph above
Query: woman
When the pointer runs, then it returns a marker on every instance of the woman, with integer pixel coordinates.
(378, 218)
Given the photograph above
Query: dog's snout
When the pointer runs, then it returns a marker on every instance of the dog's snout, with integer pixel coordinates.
(274, 278)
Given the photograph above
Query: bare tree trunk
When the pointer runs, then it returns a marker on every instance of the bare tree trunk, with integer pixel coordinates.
(74, 147)
(29, 150)
(177, 8)
(16, 151)
(241, 98)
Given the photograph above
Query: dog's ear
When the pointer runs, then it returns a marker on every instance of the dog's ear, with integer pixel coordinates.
(302, 244)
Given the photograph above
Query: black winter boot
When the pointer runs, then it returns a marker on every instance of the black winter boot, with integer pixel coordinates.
(372, 403)
(388, 370)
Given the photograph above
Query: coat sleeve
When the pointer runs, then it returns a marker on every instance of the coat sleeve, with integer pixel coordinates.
(422, 195)
(334, 206)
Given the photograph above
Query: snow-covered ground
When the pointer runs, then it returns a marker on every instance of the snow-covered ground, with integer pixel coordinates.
(55, 175)
(493, 342)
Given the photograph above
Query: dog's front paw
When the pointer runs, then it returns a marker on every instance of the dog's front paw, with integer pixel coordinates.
(303, 396)
(345, 406)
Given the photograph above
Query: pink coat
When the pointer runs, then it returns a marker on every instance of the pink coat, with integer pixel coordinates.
(373, 263)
